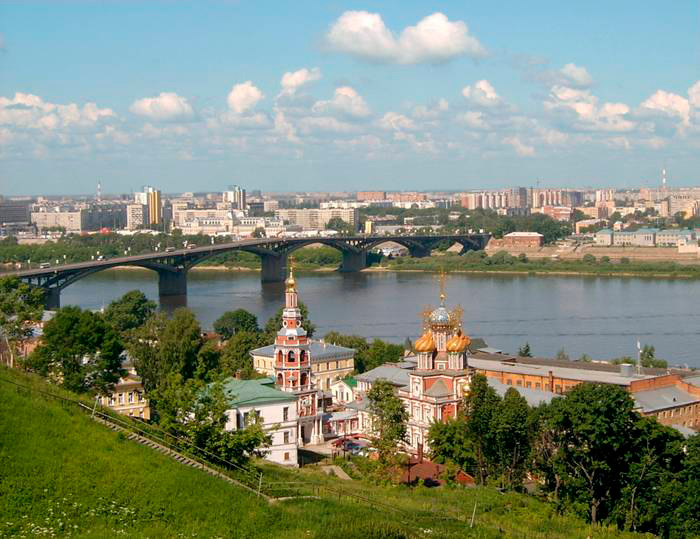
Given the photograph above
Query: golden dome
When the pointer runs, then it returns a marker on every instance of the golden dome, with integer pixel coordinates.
(458, 343)
(425, 343)
(290, 282)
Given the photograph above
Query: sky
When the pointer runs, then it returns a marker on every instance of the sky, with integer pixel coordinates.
(331, 95)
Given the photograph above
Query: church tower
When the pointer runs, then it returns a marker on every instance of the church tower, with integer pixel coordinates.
(292, 362)
(293, 367)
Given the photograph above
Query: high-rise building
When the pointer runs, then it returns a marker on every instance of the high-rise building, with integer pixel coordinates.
(155, 206)
(236, 196)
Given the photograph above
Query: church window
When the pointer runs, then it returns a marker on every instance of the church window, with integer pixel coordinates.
(290, 356)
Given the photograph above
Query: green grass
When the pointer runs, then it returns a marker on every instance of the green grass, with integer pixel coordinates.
(61, 474)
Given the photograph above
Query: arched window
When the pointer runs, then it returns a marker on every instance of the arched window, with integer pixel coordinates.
(279, 356)
(302, 356)
(290, 356)
(303, 379)
(280, 380)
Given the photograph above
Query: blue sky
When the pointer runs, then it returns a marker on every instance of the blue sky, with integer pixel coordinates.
(346, 95)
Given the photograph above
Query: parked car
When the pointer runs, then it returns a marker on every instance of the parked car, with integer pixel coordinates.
(169, 249)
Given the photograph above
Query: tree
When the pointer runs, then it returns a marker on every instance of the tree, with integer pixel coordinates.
(511, 438)
(562, 355)
(198, 412)
(232, 322)
(130, 311)
(648, 358)
(20, 306)
(274, 324)
(337, 224)
(235, 356)
(524, 351)
(388, 418)
(449, 442)
(80, 351)
(480, 407)
(583, 448)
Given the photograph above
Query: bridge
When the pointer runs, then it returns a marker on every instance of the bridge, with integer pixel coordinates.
(172, 266)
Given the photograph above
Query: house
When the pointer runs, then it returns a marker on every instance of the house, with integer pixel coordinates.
(127, 397)
(342, 390)
(277, 410)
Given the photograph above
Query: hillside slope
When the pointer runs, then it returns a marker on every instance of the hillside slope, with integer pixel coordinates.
(62, 474)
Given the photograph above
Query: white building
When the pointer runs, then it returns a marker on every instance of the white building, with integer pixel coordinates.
(277, 410)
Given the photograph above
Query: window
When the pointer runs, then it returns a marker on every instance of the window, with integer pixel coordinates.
(518, 383)
(245, 418)
(538, 385)
(286, 456)
(509, 382)
(285, 413)
(528, 384)
(286, 436)
(558, 389)
(131, 397)
(121, 398)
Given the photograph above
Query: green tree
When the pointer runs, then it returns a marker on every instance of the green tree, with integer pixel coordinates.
(337, 224)
(449, 442)
(232, 322)
(389, 419)
(511, 438)
(143, 346)
(274, 324)
(180, 342)
(20, 306)
(524, 351)
(648, 358)
(130, 311)
(80, 351)
(480, 407)
(198, 412)
(583, 448)
(235, 355)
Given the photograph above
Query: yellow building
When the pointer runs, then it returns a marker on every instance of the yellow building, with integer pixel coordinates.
(128, 395)
(329, 362)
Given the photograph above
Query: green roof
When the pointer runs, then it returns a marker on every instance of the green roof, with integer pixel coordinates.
(350, 381)
(254, 392)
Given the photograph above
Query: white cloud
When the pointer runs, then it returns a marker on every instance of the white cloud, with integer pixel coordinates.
(395, 121)
(345, 101)
(576, 76)
(590, 115)
(520, 148)
(293, 80)
(473, 119)
(434, 39)
(694, 95)
(482, 93)
(670, 104)
(424, 112)
(167, 106)
(243, 97)
(29, 111)
(325, 123)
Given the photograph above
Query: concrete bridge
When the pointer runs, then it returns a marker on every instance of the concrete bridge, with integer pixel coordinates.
(172, 267)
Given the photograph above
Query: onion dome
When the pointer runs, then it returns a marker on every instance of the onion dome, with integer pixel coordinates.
(458, 343)
(440, 317)
(425, 343)
(291, 282)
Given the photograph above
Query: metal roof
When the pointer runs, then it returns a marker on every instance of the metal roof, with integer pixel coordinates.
(534, 397)
(438, 389)
(254, 392)
(392, 374)
(318, 351)
(569, 373)
(662, 398)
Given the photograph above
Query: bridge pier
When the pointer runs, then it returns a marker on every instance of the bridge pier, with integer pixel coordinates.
(52, 298)
(354, 261)
(274, 268)
(172, 283)
(419, 251)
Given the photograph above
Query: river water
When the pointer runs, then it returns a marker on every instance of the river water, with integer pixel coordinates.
(600, 316)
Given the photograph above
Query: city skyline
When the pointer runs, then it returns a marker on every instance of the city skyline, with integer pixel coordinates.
(345, 97)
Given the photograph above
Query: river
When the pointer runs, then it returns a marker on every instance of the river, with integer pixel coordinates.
(600, 316)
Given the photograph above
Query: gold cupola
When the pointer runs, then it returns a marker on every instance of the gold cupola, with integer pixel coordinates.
(458, 343)
(425, 343)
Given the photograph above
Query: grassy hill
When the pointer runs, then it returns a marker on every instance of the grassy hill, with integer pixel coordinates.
(61, 474)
